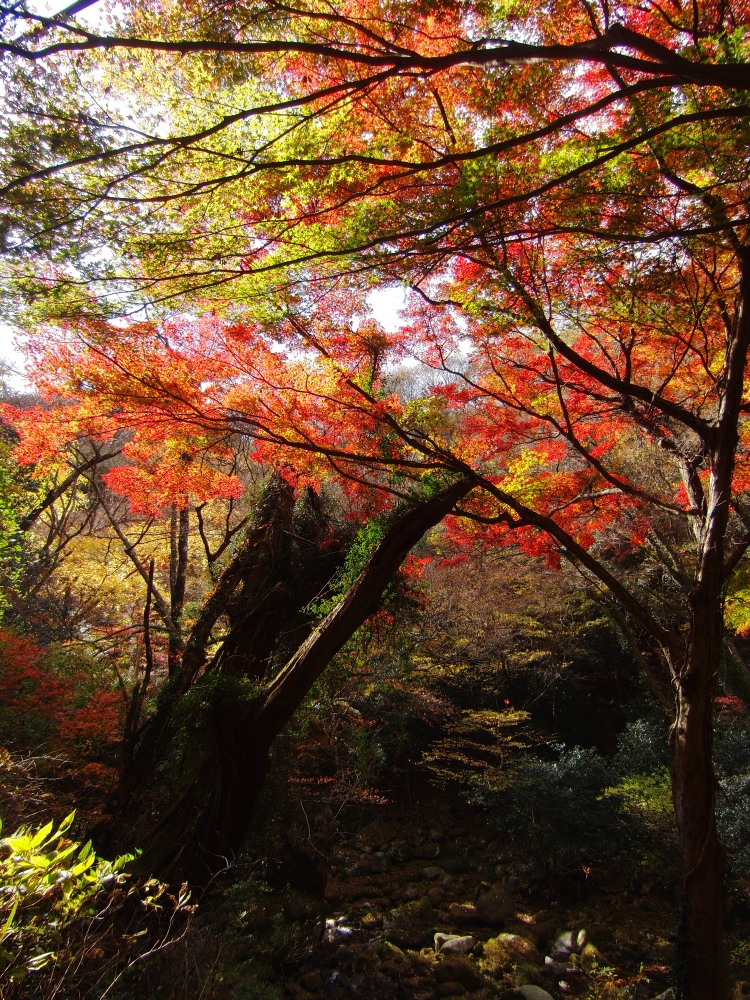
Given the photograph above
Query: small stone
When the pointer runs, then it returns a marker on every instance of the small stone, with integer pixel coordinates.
(433, 871)
(454, 944)
(435, 895)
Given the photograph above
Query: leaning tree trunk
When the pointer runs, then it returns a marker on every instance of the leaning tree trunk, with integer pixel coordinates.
(208, 822)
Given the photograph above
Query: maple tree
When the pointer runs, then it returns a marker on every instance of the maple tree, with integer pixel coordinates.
(565, 192)
(249, 653)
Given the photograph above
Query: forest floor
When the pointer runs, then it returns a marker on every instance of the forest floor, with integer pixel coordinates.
(415, 900)
(405, 892)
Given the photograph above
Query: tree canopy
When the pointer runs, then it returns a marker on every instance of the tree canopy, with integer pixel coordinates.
(198, 199)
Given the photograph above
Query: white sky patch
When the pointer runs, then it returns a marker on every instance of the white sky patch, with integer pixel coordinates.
(11, 356)
(93, 17)
(387, 305)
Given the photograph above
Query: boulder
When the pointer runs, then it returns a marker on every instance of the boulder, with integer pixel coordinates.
(494, 906)
(411, 925)
(506, 950)
(565, 944)
(592, 958)
(436, 895)
(451, 990)
(463, 913)
(455, 969)
(312, 982)
(532, 993)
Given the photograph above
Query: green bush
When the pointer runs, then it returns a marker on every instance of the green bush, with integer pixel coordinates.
(580, 805)
(49, 887)
(732, 755)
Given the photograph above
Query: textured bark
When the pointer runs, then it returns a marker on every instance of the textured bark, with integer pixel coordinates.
(178, 557)
(701, 967)
(207, 823)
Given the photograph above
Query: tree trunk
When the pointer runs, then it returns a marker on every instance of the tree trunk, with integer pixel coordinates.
(207, 823)
(701, 967)
(179, 532)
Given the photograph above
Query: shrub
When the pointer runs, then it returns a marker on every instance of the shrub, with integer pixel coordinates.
(48, 886)
(66, 918)
(732, 753)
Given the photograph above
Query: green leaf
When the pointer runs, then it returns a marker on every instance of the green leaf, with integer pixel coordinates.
(40, 835)
(65, 825)
(19, 845)
(9, 921)
(86, 851)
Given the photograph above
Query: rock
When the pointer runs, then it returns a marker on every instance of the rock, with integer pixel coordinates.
(412, 891)
(592, 958)
(454, 944)
(300, 906)
(494, 906)
(410, 925)
(508, 949)
(452, 990)
(399, 850)
(374, 864)
(433, 871)
(557, 969)
(463, 913)
(545, 924)
(598, 934)
(455, 969)
(426, 852)
(435, 895)
(565, 944)
(388, 952)
(532, 993)
(311, 982)
(666, 995)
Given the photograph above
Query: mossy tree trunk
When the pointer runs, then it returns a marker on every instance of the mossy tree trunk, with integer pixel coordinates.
(205, 823)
